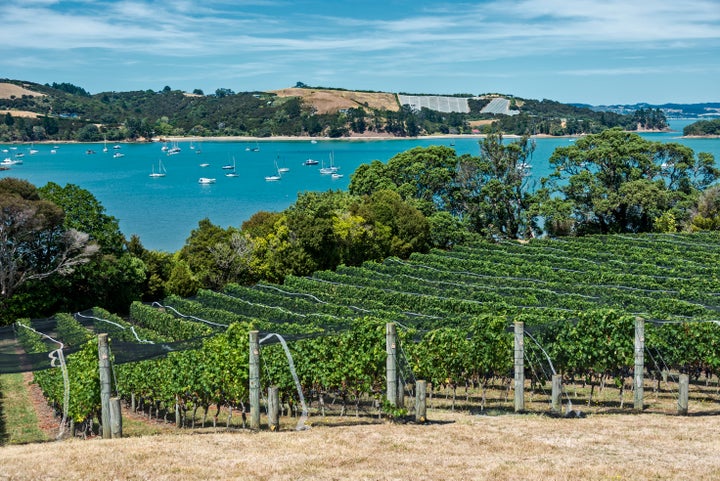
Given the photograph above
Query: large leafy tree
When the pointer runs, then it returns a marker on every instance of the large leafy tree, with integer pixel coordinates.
(112, 279)
(488, 193)
(34, 244)
(493, 191)
(616, 181)
(200, 252)
(399, 228)
(84, 212)
(310, 222)
(426, 174)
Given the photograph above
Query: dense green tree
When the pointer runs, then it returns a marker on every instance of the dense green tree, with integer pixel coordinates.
(703, 127)
(88, 133)
(617, 181)
(493, 190)
(182, 282)
(84, 212)
(706, 213)
(446, 230)
(199, 255)
(310, 222)
(408, 227)
(34, 243)
(279, 254)
(112, 280)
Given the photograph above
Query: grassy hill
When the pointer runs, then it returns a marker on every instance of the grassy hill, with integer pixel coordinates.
(36, 112)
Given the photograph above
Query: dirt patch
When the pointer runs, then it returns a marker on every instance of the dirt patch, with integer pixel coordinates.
(8, 90)
(479, 123)
(330, 101)
(47, 421)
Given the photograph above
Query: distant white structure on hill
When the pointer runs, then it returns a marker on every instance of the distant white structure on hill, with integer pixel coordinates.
(497, 105)
(435, 102)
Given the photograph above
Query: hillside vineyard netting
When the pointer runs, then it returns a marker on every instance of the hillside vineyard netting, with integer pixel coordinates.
(14, 358)
(127, 345)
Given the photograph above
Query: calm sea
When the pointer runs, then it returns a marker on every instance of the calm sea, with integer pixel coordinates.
(163, 211)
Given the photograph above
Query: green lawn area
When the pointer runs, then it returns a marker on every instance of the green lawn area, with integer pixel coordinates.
(18, 422)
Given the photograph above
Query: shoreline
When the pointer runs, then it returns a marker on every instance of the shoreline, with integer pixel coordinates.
(354, 138)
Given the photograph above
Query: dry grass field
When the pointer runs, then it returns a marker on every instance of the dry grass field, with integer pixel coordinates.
(453, 446)
(330, 101)
(7, 90)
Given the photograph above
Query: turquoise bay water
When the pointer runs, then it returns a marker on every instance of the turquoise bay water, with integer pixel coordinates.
(163, 211)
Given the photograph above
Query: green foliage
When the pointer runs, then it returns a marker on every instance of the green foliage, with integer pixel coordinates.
(85, 213)
(69, 112)
(703, 127)
(83, 376)
(617, 181)
(34, 244)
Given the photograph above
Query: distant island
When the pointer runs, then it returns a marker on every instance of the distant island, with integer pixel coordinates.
(33, 112)
(703, 128)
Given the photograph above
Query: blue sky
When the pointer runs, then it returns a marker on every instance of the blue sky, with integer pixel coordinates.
(591, 51)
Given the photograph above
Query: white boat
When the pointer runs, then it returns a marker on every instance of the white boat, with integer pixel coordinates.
(281, 170)
(105, 149)
(231, 168)
(336, 175)
(53, 151)
(8, 162)
(32, 150)
(313, 141)
(117, 155)
(311, 162)
(329, 170)
(205, 165)
(175, 149)
(272, 178)
(117, 147)
(253, 149)
(161, 172)
(206, 180)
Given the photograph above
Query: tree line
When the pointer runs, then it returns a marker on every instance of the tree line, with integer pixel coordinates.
(60, 250)
(68, 112)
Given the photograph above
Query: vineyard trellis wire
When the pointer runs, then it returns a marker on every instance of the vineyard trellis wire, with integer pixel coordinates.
(454, 307)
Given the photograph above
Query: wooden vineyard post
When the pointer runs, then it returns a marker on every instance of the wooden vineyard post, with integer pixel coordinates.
(519, 367)
(273, 408)
(178, 417)
(683, 394)
(556, 405)
(104, 367)
(420, 403)
(390, 364)
(115, 418)
(254, 381)
(639, 362)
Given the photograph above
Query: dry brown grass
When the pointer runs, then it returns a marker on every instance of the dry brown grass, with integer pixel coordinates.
(455, 446)
(7, 90)
(330, 101)
(20, 113)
